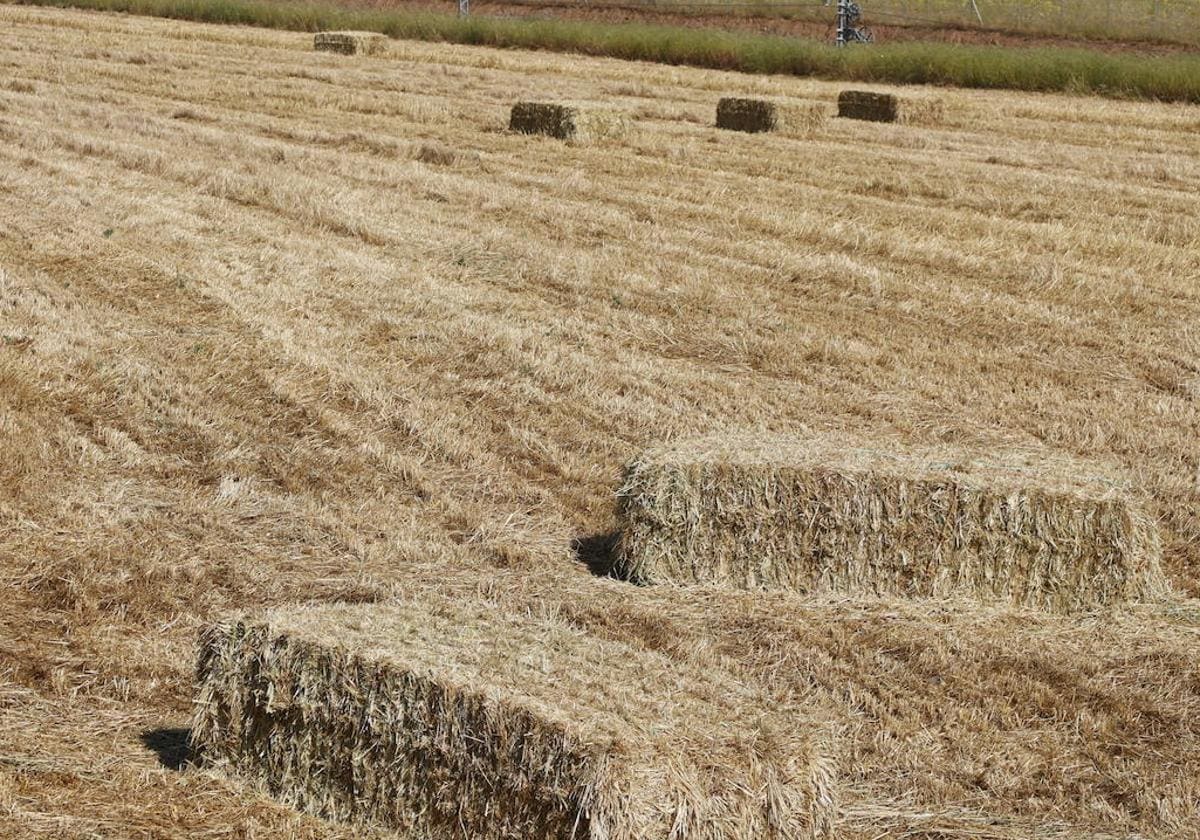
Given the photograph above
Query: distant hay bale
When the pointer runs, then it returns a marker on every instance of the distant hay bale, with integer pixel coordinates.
(350, 43)
(864, 105)
(758, 115)
(886, 107)
(821, 515)
(448, 718)
(567, 122)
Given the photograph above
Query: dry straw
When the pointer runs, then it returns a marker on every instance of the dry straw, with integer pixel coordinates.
(819, 515)
(886, 107)
(758, 115)
(448, 718)
(437, 154)
(567, 122)
(350, 43)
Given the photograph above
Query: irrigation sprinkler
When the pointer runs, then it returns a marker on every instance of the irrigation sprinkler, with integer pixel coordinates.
(849, 28)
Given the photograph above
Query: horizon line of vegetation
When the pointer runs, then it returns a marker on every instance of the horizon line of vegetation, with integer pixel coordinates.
(1071, 70)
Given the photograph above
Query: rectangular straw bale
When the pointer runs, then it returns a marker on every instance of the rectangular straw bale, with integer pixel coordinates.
(886, 107)
(821, 514)
(758, 115)
(567, 122)
(448, 718)
(349, 43)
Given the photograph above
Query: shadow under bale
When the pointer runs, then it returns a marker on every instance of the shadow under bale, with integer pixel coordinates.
(598, 552)
(172, 745)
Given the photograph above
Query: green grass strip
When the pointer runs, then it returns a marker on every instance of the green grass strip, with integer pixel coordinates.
(1082, 71)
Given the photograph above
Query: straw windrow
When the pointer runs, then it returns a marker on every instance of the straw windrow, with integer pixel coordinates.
(448, 719)
(818, 515)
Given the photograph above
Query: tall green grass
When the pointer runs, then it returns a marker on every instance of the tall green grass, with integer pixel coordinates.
(1166, 78)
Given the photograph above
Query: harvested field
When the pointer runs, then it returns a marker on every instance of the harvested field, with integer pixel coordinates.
(1099, 72)
(828, 514)
(257, 348)
(448, 718)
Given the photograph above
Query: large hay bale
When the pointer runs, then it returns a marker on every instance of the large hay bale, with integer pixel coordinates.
(449, 719)
(567, 122)
(821, 515)
(886, 107)
(757, 115)
(350, 43)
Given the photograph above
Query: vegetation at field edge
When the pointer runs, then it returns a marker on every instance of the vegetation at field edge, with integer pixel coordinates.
(1167, 78)
(284, 327)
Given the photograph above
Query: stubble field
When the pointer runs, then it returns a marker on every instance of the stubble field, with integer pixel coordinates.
(278, 326)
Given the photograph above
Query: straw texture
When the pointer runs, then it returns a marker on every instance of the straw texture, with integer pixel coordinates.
(446, 718)
(349, 43)
(758, 115)
(818, 515)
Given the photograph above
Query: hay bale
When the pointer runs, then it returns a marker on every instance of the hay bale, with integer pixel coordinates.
(865, 105)
(820, 515)
(886, 107)
(757, 115)
(447, 718)
(350, 43)
(567, 122)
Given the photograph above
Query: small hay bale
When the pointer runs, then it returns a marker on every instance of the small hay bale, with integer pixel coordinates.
(757, 115)
(819, 515)
(448, 718)
(567, 122)
(350, 43)
(886, 107)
